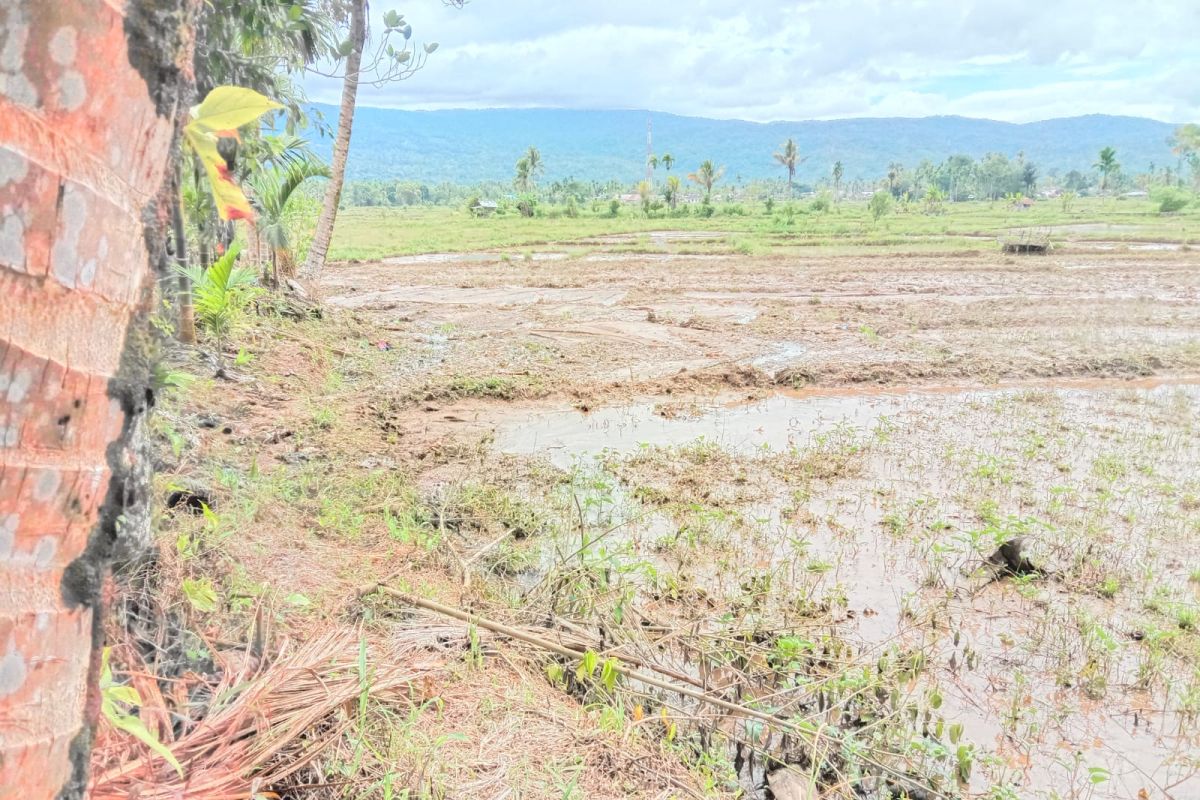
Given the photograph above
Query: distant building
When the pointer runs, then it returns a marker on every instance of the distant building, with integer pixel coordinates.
(1023, 203)
(484, 208)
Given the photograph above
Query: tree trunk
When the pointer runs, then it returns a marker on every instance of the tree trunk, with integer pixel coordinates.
(341, 145)
(187, 314)
(87, 130)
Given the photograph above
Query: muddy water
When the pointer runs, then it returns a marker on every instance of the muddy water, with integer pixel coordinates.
(742, 426)
(567, 435)
(1061, 731)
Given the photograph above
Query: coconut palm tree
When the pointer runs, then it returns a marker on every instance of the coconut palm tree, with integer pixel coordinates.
(1108, 166)
(667, 161)
(522, 180)
(533, 159)
(838, 172)
(789, 157)
(706, 176)
(388, 63)
(79, 392)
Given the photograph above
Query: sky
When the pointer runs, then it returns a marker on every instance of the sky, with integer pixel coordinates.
(765, 60)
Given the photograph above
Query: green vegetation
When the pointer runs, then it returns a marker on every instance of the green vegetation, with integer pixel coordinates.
(369, 233)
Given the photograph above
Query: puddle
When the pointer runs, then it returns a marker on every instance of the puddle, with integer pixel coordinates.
(1131, 246)
(1089, 227)
(565, 436)
(479, 296)
(658, 237)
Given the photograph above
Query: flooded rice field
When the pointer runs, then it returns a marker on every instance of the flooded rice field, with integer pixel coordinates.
(932, 521)
(884, 509)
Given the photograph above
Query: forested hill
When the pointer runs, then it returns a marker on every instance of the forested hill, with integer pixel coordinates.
(468, 146)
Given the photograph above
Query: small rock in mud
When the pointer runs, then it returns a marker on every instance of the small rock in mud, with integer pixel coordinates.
(191, 501)
(275, 437)
(207, 421)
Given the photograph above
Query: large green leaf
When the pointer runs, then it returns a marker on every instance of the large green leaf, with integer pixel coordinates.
(227, 108)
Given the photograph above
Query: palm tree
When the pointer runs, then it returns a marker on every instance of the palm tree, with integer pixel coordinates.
(341, 143)
(706, 176)
(667, 161)
(98, 452)
(789, 158)
(272, 189)
(895, 171)
(521, 181)
(672, 191)
(533, 159)
(387, 64)
(652, 164)
(1108, 166)
(838, 172)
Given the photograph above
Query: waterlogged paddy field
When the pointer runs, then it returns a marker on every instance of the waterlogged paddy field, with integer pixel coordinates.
(873, 515)
(795, 469)
(789, 478)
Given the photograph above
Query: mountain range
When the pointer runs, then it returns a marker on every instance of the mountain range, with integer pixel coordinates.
(470, 146)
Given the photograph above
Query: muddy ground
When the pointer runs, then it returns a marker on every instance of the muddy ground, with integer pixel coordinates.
(770, 472)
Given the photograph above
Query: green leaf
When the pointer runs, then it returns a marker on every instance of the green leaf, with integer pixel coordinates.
(124, 694)
(228, 108)
(200, 594)
(608, 674)
(956, 731)
(136, 728)
(587, 665)
(299, 600)
(429, 48)
(1098, 775)
(344, 48)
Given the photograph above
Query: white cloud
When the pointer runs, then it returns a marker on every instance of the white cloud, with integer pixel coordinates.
(1015, 60)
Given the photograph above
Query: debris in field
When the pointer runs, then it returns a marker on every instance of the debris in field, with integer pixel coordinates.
(191, 501)
(382, 345)
(1027, 242)
(1011, 558)
(277, 436)
(271, 724)
(787, 784)
(208, 421)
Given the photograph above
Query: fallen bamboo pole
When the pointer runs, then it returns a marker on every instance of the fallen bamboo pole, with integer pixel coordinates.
(554, 647)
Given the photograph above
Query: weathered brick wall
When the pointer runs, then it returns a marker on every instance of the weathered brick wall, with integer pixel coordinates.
(88, 103)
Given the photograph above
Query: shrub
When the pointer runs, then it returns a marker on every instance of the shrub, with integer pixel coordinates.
(880, 204)
(526, 205)
(572, 209)
(821, 204)
(1170, 199)
(614, 208)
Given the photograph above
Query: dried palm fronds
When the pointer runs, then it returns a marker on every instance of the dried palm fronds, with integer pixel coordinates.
(265, 724)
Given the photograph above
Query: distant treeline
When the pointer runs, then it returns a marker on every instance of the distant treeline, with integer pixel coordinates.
(959, 177)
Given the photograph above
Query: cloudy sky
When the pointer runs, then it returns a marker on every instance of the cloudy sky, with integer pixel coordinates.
(1015, 60)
